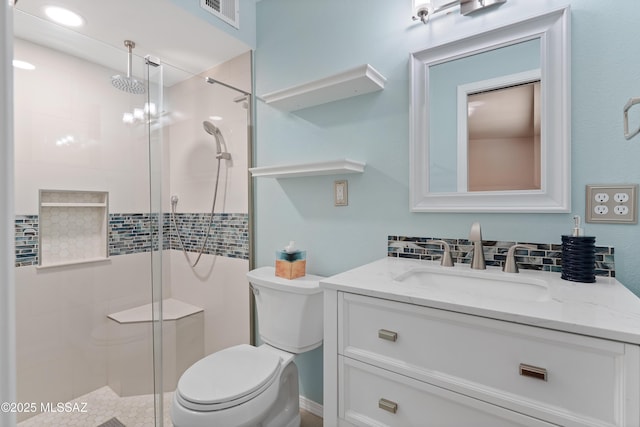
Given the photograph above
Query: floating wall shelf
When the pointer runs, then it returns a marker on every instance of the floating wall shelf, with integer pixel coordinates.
(335, 167)
(353, 82)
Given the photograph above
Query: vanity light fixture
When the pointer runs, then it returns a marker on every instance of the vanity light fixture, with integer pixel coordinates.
(64, 16)
(423, 9)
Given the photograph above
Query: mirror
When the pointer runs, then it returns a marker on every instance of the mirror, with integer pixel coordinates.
(490, 120)
(499, 134)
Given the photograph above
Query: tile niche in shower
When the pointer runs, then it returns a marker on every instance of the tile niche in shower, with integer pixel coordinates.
(73, 226)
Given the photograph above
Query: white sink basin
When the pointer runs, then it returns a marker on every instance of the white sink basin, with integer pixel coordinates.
(477, 283)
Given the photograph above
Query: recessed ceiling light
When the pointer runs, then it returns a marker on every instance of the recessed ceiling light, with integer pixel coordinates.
(23, 65)
(64, 16)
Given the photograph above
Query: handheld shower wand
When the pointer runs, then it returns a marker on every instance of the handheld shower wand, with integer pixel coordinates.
(213, 130)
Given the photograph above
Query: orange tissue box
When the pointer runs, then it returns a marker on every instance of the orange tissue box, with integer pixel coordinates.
(291, 270)
(291, 265)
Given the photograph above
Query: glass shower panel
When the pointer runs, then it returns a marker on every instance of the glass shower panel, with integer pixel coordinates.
(206, 150)
(87, 173)
(153, 109)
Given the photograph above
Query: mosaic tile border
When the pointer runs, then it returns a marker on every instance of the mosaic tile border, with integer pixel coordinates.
(26, 232)
(131, 233)
(229, 234)
(546, 256)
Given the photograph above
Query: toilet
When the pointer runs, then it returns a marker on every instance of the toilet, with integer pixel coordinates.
(247, 386)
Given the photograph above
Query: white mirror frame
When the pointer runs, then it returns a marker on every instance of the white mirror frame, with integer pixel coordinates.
(553, 30)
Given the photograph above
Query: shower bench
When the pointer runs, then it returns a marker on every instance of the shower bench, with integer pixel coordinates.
(130, 352)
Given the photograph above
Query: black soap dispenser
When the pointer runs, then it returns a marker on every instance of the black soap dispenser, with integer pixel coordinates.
(579, 255)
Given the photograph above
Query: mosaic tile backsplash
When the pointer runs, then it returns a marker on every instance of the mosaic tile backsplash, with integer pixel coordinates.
(131, 233)
(546, 256)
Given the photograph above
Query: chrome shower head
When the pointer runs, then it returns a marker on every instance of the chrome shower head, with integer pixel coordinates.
(212, 129)
(127, 83)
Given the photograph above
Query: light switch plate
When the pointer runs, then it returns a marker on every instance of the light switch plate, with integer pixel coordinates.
(612, 203)
(340, 194)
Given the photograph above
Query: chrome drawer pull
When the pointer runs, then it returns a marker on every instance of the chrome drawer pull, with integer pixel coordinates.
(388, 405)
(387, 335)
(533, 372)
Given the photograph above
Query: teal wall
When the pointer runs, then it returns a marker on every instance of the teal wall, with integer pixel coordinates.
(301, 40)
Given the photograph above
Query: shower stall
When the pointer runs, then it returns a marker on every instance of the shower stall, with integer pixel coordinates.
(131, 223)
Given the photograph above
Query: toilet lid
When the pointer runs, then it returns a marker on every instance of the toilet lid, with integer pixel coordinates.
(227, 375)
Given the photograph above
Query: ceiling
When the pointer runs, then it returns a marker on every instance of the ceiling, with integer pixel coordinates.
(158, 27)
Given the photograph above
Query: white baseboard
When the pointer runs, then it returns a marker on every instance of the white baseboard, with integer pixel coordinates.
(311, 406)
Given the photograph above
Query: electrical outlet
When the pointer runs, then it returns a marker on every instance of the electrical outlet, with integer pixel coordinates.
(600, 209)
(621, 197)
(601, 197)
(621, 210)
(610, 203)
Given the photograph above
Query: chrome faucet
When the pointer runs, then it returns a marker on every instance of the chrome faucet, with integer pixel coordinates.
(446, 260)
(475, 236)
(510, 265)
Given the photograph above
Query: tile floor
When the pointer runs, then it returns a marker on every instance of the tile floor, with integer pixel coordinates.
(309, 420)
(102, 405)
(135, 411)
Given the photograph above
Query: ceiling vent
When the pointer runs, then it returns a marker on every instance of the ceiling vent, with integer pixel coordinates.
(227, 10)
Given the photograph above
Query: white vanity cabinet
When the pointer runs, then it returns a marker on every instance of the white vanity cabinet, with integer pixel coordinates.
(415, 403)
(397, 363)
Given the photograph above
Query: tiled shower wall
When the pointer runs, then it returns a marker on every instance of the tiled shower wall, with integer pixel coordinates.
(131, 233)
(61, 313)
(545, 257)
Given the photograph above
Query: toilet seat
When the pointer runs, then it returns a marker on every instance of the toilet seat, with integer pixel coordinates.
(228, 378)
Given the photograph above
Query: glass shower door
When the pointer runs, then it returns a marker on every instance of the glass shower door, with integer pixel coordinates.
(154, 129)
(88, 227)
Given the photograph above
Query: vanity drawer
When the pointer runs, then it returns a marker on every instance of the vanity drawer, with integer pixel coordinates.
(565, 378)
(376, 397)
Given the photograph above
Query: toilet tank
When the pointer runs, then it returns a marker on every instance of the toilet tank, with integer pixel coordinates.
(290, 312)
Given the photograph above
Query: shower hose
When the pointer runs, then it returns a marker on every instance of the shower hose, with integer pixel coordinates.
(206, 237)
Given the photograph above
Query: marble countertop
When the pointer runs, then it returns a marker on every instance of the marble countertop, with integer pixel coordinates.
(605, 309)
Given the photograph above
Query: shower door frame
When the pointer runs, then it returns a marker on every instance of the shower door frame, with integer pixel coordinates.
(155, 94)
(7, 215)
